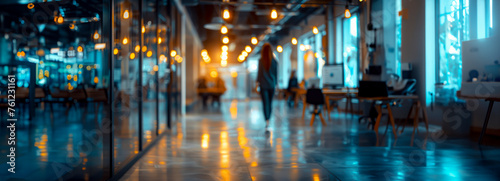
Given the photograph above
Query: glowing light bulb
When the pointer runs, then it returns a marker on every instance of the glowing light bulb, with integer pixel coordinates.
(126, 14)
(241, 58)
(274, 14)
(244, 53)
(315, 30)
(60, 20)
(68, 77)
(159, 40)
(173, 53)
(347, 13)
(96, 35)
(213, 73)
(115, 51)
(125, 41)
(223, 63)
(225, 48)
(225, 40)
(149, 54)
(132, 55)
(79, 49)
(137, 48)
(75, 78)
(294, 41)
(302, 47)
(71, 26)
(248, 49)
(155, 68)
(96, 80)
(143, 29)
(223, 29)
(254, 41)
(234, 74)
(144, 48)
(226, 14)
(31, 6)
(279, 48)
(204, 53)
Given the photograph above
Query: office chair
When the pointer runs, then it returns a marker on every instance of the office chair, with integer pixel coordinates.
(315, 97)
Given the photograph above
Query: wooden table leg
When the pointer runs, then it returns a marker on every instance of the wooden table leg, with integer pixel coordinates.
(327, 105)
(322, 120)
(408, 117)
(377, 122)
(424, 112)
(415, 118)
(485, 124)
(312, 119)
(391, 119)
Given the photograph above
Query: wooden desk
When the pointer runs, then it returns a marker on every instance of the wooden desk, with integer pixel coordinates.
(338, 95)
(387, 101)
(491, 101)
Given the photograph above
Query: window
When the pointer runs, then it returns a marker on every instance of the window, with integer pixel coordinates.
(350, 51)
(453, 28)
(397, 68)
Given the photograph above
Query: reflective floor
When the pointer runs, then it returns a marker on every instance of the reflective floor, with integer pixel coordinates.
(233, 144)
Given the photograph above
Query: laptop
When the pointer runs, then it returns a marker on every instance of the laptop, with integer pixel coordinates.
(372, 89)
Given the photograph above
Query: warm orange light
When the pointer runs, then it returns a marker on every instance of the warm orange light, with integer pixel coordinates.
(315, 30)
(279, 48)
(80, 66)
(125, 41)
(75, 78)
(254, 41)
(223, 63)
(204, 53)
(68, 77)
(31, 6)
(79, 49)
(347, 13)
(234, 74)
(155, 68)
(248, 49)
(213, 73)
(159, 40)
(96, 35)
(223, 29)
(244, 53)
(96, 80)
(226, 14)
(143, 29)
(178, 58)
(115, 51)
(126, 14)
(89, 68)
(223, 57)
(71, 26)
(137, 48)
(316, 55)
(70, 87)
(163, 58)
(207, 60)
(302, 47)
(132, 55)
(241, 58)
(149, 54)
(60, 20)
(274, 14)
(294, 41)
(225, 40)
(144, 48)
(225, 48)
(46, 73)
(173, 53)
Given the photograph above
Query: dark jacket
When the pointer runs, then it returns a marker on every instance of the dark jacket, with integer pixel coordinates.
(267, 79)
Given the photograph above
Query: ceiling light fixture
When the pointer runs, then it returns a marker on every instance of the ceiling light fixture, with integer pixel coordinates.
(248, 49)
(254, 41)
(279, 48)
(315, 30)
(294, 41)
(226, 14)
(347, 13)
(223, 29)
(274, 14)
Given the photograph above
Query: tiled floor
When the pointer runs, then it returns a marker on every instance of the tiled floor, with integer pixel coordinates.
(235, 145)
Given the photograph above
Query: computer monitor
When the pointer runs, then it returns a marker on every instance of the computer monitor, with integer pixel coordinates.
(333, 75)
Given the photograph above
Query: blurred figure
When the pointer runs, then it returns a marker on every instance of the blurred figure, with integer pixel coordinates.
(292, 83)
(202, 86)
(267, 76)
(220, 86)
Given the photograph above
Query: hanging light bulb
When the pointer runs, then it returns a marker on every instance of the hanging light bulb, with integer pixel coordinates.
(204, 53)
(137, 48)
(115, 51)
(347, 13)
(254, 41)
(248, 49)
(244, 53)
(225, 48)
(149, 54)
(143, 29)
(225, 40)
(315, 30)
(125, 41)
(226, 14)
(173, 53)
(279, 48)
(223, 63)
(96, 35)
(241, 58)
(96, 79)
(60, 19)
(126, 14)
(144, 48)
(294, 41)
(159, 40)
(274, 14)
(223, 29)
(79, 49)
(132, 55)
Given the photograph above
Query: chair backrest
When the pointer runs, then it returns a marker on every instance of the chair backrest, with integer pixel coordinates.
(315, 96)
(372, 89)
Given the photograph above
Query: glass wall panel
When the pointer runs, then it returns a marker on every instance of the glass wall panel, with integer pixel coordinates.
(149, 71)
(163, 71)
(126, 82)
(453, 29)
(350, 50)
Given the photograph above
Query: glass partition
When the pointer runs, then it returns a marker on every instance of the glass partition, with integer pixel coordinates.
(350, 50)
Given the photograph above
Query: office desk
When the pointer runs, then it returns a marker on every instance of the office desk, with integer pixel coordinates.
(491, 101)
(335, 94)
(387, 101)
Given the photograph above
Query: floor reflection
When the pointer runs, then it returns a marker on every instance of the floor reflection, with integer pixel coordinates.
(233, 144)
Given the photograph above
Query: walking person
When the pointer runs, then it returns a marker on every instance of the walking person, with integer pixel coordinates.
(267, 78)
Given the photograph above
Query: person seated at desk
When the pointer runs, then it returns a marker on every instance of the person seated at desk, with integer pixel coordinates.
(292, 83)
(220, 86)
